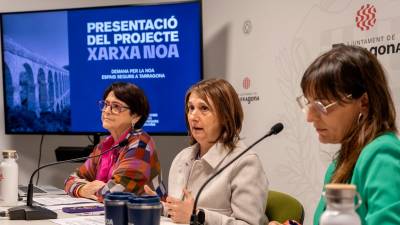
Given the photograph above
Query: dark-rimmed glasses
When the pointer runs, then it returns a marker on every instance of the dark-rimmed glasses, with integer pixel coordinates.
(305, 104)
(114, 107)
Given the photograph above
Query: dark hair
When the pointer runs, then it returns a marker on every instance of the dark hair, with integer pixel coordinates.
(352, 70)
(133, 97)
(227, 107)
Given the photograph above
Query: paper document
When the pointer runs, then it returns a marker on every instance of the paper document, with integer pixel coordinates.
(61, 200)
(97, 220)
(83, 220)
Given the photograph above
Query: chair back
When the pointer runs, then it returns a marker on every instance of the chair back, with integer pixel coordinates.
(282, 207)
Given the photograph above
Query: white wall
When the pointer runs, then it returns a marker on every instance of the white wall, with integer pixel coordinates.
(285, 37)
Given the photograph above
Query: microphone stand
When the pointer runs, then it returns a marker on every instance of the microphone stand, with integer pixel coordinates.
(194, 220)
(34, 212)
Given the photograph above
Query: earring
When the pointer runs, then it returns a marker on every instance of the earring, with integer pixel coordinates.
(133, 125)
(359, 118)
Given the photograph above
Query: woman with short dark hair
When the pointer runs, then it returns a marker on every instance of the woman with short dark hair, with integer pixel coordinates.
(126, 168)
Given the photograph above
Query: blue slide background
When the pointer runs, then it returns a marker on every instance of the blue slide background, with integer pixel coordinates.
(166, 95)
(61, 38)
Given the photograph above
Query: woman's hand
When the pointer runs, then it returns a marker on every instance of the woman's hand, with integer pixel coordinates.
(180, 211)
(148, 190)
(89, 190)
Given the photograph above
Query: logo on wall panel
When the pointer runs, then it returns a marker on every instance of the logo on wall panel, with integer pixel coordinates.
(246, 83)
(379, 43)
(247, 27)
(248, 97)
(366, 17)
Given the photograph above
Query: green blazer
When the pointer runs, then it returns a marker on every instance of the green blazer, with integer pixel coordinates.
(377, 177)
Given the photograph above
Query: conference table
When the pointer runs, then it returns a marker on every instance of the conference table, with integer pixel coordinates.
(6, 221)
(66, 216)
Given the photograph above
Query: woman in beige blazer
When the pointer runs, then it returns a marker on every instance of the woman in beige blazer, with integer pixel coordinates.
(236, 196)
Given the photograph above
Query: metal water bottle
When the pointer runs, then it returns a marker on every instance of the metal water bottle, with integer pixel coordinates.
(340, 207)
(8, 178)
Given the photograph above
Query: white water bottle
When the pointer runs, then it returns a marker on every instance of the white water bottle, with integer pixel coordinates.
(8, 178)
(340, 207)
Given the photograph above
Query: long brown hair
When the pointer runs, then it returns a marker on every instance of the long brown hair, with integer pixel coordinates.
(346, 70)
(227, 107)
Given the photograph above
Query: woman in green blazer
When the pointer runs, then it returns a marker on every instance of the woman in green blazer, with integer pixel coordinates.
(347, 99)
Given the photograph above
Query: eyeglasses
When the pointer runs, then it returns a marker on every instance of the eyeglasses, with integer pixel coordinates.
(305, 104)
(114, 107)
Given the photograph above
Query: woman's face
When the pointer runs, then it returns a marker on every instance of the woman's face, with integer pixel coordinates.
(116, 123)
(203, 121)
(333, 125)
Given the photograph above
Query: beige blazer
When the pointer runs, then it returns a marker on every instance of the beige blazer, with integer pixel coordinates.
(237, 196)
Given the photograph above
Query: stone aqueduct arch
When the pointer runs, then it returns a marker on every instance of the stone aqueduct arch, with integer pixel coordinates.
(34, 83)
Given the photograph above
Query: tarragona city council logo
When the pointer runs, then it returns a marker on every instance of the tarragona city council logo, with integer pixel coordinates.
(366, 17)
(248, 97)
(246, 83)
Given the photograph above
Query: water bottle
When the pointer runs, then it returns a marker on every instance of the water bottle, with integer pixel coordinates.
(144, 210)
(8, 178)
(115, 208)
(340, 207)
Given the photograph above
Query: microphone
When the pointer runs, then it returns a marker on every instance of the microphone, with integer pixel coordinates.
(33, 212)
(194, 219)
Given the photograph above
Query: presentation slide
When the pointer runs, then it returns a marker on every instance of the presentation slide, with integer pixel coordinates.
(58, 64)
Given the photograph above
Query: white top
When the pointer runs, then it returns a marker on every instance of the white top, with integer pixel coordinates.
(237, 196)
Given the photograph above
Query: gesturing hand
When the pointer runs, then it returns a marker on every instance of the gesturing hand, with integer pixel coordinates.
(89, 189)
(180, 211)
(148, 190)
